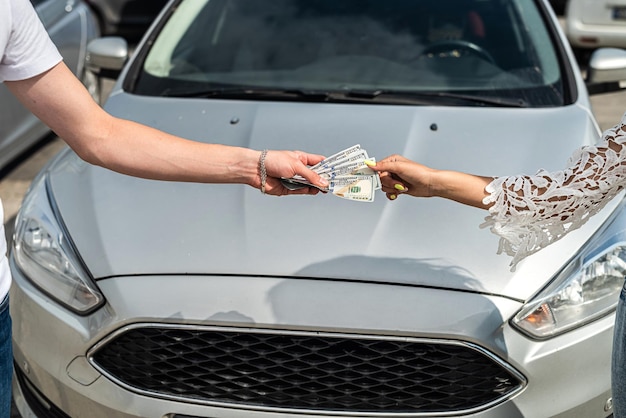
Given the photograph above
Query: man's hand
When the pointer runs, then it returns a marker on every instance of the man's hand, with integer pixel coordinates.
(288, 164)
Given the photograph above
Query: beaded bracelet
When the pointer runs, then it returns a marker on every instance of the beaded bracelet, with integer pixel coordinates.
(262, 171)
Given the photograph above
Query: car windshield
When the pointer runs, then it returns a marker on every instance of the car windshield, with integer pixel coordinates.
(460, 52)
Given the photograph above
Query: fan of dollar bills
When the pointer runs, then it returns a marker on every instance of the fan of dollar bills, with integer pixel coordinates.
(347, 174)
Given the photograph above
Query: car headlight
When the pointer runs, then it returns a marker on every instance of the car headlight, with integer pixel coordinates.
(586, 289)
(45, 254)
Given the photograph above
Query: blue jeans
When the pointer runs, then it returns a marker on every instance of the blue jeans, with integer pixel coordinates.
(6, 359)
(618, 362)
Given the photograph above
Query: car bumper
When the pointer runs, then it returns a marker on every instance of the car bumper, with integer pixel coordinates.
(566, 375)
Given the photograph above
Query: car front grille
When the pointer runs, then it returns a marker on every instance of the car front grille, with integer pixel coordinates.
(278, 370)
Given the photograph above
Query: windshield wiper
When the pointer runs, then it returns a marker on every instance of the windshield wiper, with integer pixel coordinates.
(435, 95)
(247, 93)
(347, 96)
(262, 93)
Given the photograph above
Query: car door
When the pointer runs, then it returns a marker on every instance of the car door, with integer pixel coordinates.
(603, 12)
(65, 21)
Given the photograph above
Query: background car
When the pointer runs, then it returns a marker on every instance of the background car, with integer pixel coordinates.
(174, 299)
(71, 26)
(127, 18)
(594, 24)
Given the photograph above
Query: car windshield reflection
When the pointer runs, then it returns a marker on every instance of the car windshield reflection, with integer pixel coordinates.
(497, 49)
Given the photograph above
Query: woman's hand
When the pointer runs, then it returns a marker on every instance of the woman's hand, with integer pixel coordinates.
(399, 175)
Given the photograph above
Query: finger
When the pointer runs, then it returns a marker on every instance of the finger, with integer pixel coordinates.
(387, 179)
(394, 190)
(309, 159)
(394, 158)
(311, 176)
(400, 187)
(382, 165)
(392, 184)
(372, 164)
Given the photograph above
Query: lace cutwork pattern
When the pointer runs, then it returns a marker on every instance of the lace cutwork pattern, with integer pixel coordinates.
(531, 212)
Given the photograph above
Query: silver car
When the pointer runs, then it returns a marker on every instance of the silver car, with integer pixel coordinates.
(71, 26)
(137, 298)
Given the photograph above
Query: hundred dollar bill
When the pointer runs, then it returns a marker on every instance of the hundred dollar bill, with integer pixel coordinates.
(330, 166)
(334, 165)
(357, 167)
(338, 156)
(359, 188)
(298, 182)
(348, 175)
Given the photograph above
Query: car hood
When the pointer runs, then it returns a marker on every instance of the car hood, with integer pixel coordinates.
(124, 226)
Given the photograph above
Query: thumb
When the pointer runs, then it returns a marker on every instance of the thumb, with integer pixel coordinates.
(380, 165)
(312, 177)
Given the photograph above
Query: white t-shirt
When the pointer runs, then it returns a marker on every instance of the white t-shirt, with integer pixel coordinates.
(26, 50)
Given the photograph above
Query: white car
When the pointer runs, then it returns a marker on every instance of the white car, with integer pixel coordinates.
(591, 24)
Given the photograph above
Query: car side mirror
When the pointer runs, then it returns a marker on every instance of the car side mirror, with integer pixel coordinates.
(106, 56)
(607, 70)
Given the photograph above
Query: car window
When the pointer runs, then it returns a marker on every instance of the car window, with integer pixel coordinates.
(489, 48)
(38, 2)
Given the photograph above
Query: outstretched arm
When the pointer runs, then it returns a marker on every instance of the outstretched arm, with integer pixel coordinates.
(59, 99)
(400, 175)
(528, 212)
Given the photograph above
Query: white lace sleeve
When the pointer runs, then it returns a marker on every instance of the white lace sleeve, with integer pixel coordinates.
(531, 212)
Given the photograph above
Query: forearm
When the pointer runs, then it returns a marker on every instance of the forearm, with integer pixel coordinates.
(153, 154)
(126, 146)
(460, 187)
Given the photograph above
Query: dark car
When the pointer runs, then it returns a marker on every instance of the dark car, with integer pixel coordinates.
(558, 6)
(127, 18)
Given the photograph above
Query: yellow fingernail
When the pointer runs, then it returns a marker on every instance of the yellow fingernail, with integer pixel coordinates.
(369, 163)
(393, 197)
(400, 187)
